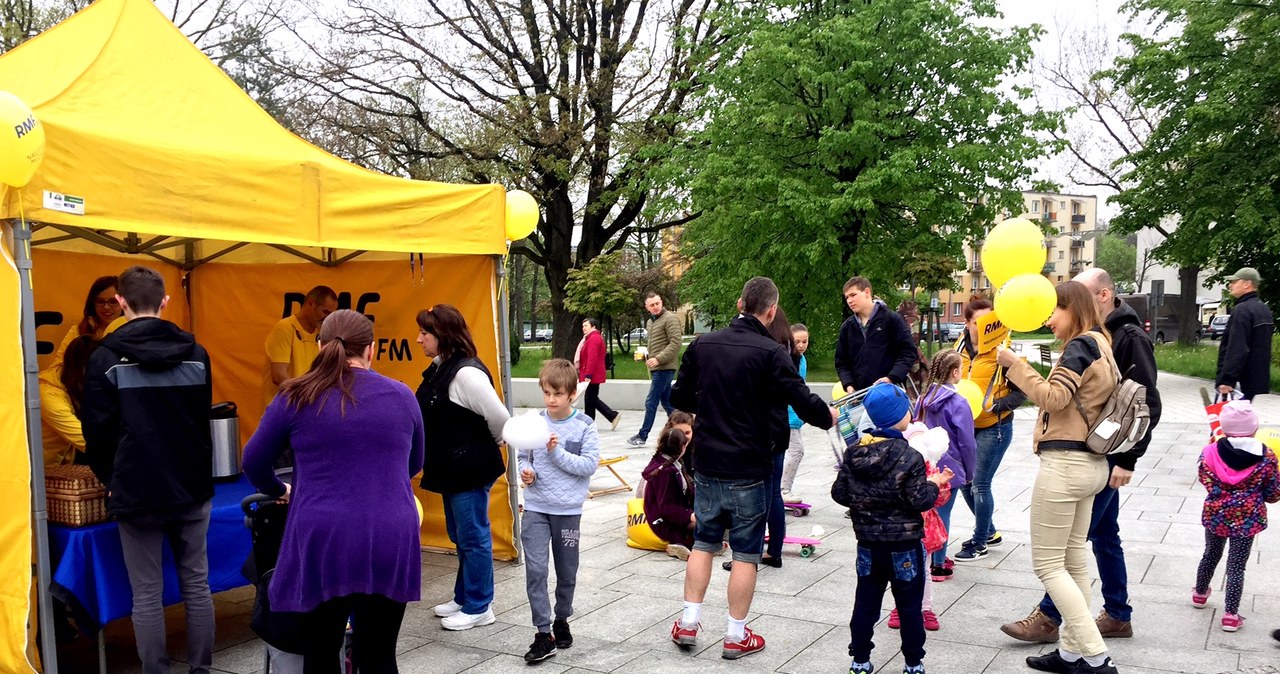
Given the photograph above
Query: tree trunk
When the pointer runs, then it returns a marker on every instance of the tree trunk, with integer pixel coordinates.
(1188, 310)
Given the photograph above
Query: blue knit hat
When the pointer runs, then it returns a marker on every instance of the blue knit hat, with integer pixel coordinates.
(886, 405)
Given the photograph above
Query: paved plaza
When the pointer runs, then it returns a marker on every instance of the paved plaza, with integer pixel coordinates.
(627, 599)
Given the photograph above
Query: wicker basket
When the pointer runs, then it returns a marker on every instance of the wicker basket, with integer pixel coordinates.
(74, 496)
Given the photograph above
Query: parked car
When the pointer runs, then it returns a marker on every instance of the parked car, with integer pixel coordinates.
(1217, 327)
(951, 331)
(544, 335)
(527, 336)
(639, 334)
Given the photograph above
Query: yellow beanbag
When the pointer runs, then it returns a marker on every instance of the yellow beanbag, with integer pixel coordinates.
(639, 535)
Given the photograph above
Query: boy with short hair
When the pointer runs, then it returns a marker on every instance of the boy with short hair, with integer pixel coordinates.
(556, 483)
(883, 481)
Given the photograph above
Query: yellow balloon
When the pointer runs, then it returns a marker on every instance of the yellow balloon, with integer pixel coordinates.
(1269, 437)
(1025, 301)
(522, 214)
(972, 394)
(21, 141)
(1013, 247)
(417, 503)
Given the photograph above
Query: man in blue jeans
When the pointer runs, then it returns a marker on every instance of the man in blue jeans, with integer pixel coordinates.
(1135, 357)
(733, 380)
(665, 334)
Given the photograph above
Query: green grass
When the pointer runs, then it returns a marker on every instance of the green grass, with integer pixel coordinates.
(1201, 360)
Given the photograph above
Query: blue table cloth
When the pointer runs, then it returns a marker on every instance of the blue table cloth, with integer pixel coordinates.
(88, 564)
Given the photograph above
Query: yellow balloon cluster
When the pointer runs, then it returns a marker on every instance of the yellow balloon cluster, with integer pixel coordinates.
(1013, 247)
(522, 214)
(21, 141)
(972, 394)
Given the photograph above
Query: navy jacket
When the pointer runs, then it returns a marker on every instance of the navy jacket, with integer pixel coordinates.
(882, 481)
(885, 349)
(147, 393)
(738, 382)
(1244, 357)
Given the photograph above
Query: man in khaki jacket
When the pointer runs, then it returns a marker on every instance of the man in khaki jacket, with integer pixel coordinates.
(665, 334)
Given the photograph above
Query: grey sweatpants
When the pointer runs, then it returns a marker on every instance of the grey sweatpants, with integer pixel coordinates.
(558, 533)
(142, 540)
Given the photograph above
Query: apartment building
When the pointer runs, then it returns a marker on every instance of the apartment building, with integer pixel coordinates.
(1072, 222)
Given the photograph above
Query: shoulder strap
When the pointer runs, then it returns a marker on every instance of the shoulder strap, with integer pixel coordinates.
(1076, 399)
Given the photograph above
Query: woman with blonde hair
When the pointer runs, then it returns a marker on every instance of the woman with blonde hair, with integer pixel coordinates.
(1070, 474)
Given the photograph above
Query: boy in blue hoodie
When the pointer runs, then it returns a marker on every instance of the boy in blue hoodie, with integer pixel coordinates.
(556, 482)
(883, 482)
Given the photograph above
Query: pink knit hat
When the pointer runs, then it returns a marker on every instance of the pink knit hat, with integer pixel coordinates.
(1238, 419)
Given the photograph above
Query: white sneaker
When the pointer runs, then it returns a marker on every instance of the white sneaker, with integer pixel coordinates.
(678, 551)
(789, 497)
(447, 609)
(617, 418)
(465, 621)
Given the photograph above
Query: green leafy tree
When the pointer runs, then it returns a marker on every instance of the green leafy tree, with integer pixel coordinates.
(849, 138)
(1210, 164)
(1120, 259)
(599, 289)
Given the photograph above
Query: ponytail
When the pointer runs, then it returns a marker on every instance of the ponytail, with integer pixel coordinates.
(343, 335)
(939, 369)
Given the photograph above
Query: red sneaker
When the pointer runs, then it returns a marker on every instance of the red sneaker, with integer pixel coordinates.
(750, 643)
(685, 636)
(894, 621)
(931, 621)
(948, 563)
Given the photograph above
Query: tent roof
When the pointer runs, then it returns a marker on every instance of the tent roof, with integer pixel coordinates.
(156, 139)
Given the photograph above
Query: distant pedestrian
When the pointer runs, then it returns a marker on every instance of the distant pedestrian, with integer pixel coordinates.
(591, 370)
(664, 339)
(875, 343)
(795, 444)
(1244, 357)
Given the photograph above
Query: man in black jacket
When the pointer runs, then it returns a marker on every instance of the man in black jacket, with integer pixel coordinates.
(1135, 357)
(875, 343)
(1244, 357)
(146, 426)
(733, 380)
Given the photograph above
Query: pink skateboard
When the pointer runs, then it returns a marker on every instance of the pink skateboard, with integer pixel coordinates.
(807, 545)
(797, 509)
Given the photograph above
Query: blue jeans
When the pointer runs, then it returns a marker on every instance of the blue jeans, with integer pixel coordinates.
(777, 510)
(466, 519)
(899, 568)
(944, 513)
(736, 506)
(1104, 533)
(993, 441)
(659, 392)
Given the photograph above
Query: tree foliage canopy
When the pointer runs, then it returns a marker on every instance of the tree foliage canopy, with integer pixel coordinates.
(851, 138)
(1213, 158)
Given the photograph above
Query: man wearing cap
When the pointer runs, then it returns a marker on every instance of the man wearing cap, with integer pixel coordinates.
(1244, 357)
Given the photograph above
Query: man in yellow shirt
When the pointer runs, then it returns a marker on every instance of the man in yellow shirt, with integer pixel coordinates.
(291, 344)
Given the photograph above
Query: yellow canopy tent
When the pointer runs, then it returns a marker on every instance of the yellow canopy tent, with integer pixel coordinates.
(153, 153)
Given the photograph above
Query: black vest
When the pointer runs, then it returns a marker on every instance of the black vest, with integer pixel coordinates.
(461, 454)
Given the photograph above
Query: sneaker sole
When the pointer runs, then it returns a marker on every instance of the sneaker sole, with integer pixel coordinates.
(685, 641)
(548, 655)
(1194, 604)
(735, 654)
(966, 560)
(487, 621)
(1228, 628)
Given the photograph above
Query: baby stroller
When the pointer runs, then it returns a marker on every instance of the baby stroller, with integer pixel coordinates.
(846, 430)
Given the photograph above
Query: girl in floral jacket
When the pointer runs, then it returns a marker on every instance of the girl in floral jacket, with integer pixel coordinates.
(1241, 476)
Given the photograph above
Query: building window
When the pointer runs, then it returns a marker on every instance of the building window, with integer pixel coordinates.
(1062, 205)
(1075, 208)
(957, 309)
(1035, 206)
(1060, 254)
(1059, 279)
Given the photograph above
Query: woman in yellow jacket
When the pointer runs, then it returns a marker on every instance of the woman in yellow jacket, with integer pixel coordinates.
(992, 430)
(61, 388)
(101, 309)
(1078, 387)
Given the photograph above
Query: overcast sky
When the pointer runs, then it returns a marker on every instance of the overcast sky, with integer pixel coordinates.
(1064, 17)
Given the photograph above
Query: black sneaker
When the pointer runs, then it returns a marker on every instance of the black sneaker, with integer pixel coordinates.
(543, 647)
(994, 540)
(1051, 662)
(636, 441)
(560, 628)
(940, 573)
(1082, 667)
(970, 551)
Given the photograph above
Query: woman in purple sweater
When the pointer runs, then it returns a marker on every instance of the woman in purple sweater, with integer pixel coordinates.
(351, 540)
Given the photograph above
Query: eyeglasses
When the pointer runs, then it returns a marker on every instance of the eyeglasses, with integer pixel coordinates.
(113, 302)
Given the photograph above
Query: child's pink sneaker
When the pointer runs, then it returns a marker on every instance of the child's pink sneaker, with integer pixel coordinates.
(894, 621)
(931, 621)
(1200, 600)
(1232, 622)
(948, 563)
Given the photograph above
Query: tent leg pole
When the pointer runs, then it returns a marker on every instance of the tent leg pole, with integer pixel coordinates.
(39, 516)
(504, 360)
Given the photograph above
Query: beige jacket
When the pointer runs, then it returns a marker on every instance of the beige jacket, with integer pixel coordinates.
(1087, 369)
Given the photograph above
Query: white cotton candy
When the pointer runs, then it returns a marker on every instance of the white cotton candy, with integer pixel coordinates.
(526, 431)
(932, 444)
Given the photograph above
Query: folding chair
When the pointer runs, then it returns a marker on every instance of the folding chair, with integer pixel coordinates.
(609, 463)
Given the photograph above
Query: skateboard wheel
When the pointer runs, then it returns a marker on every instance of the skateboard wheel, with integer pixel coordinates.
(806, 550)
